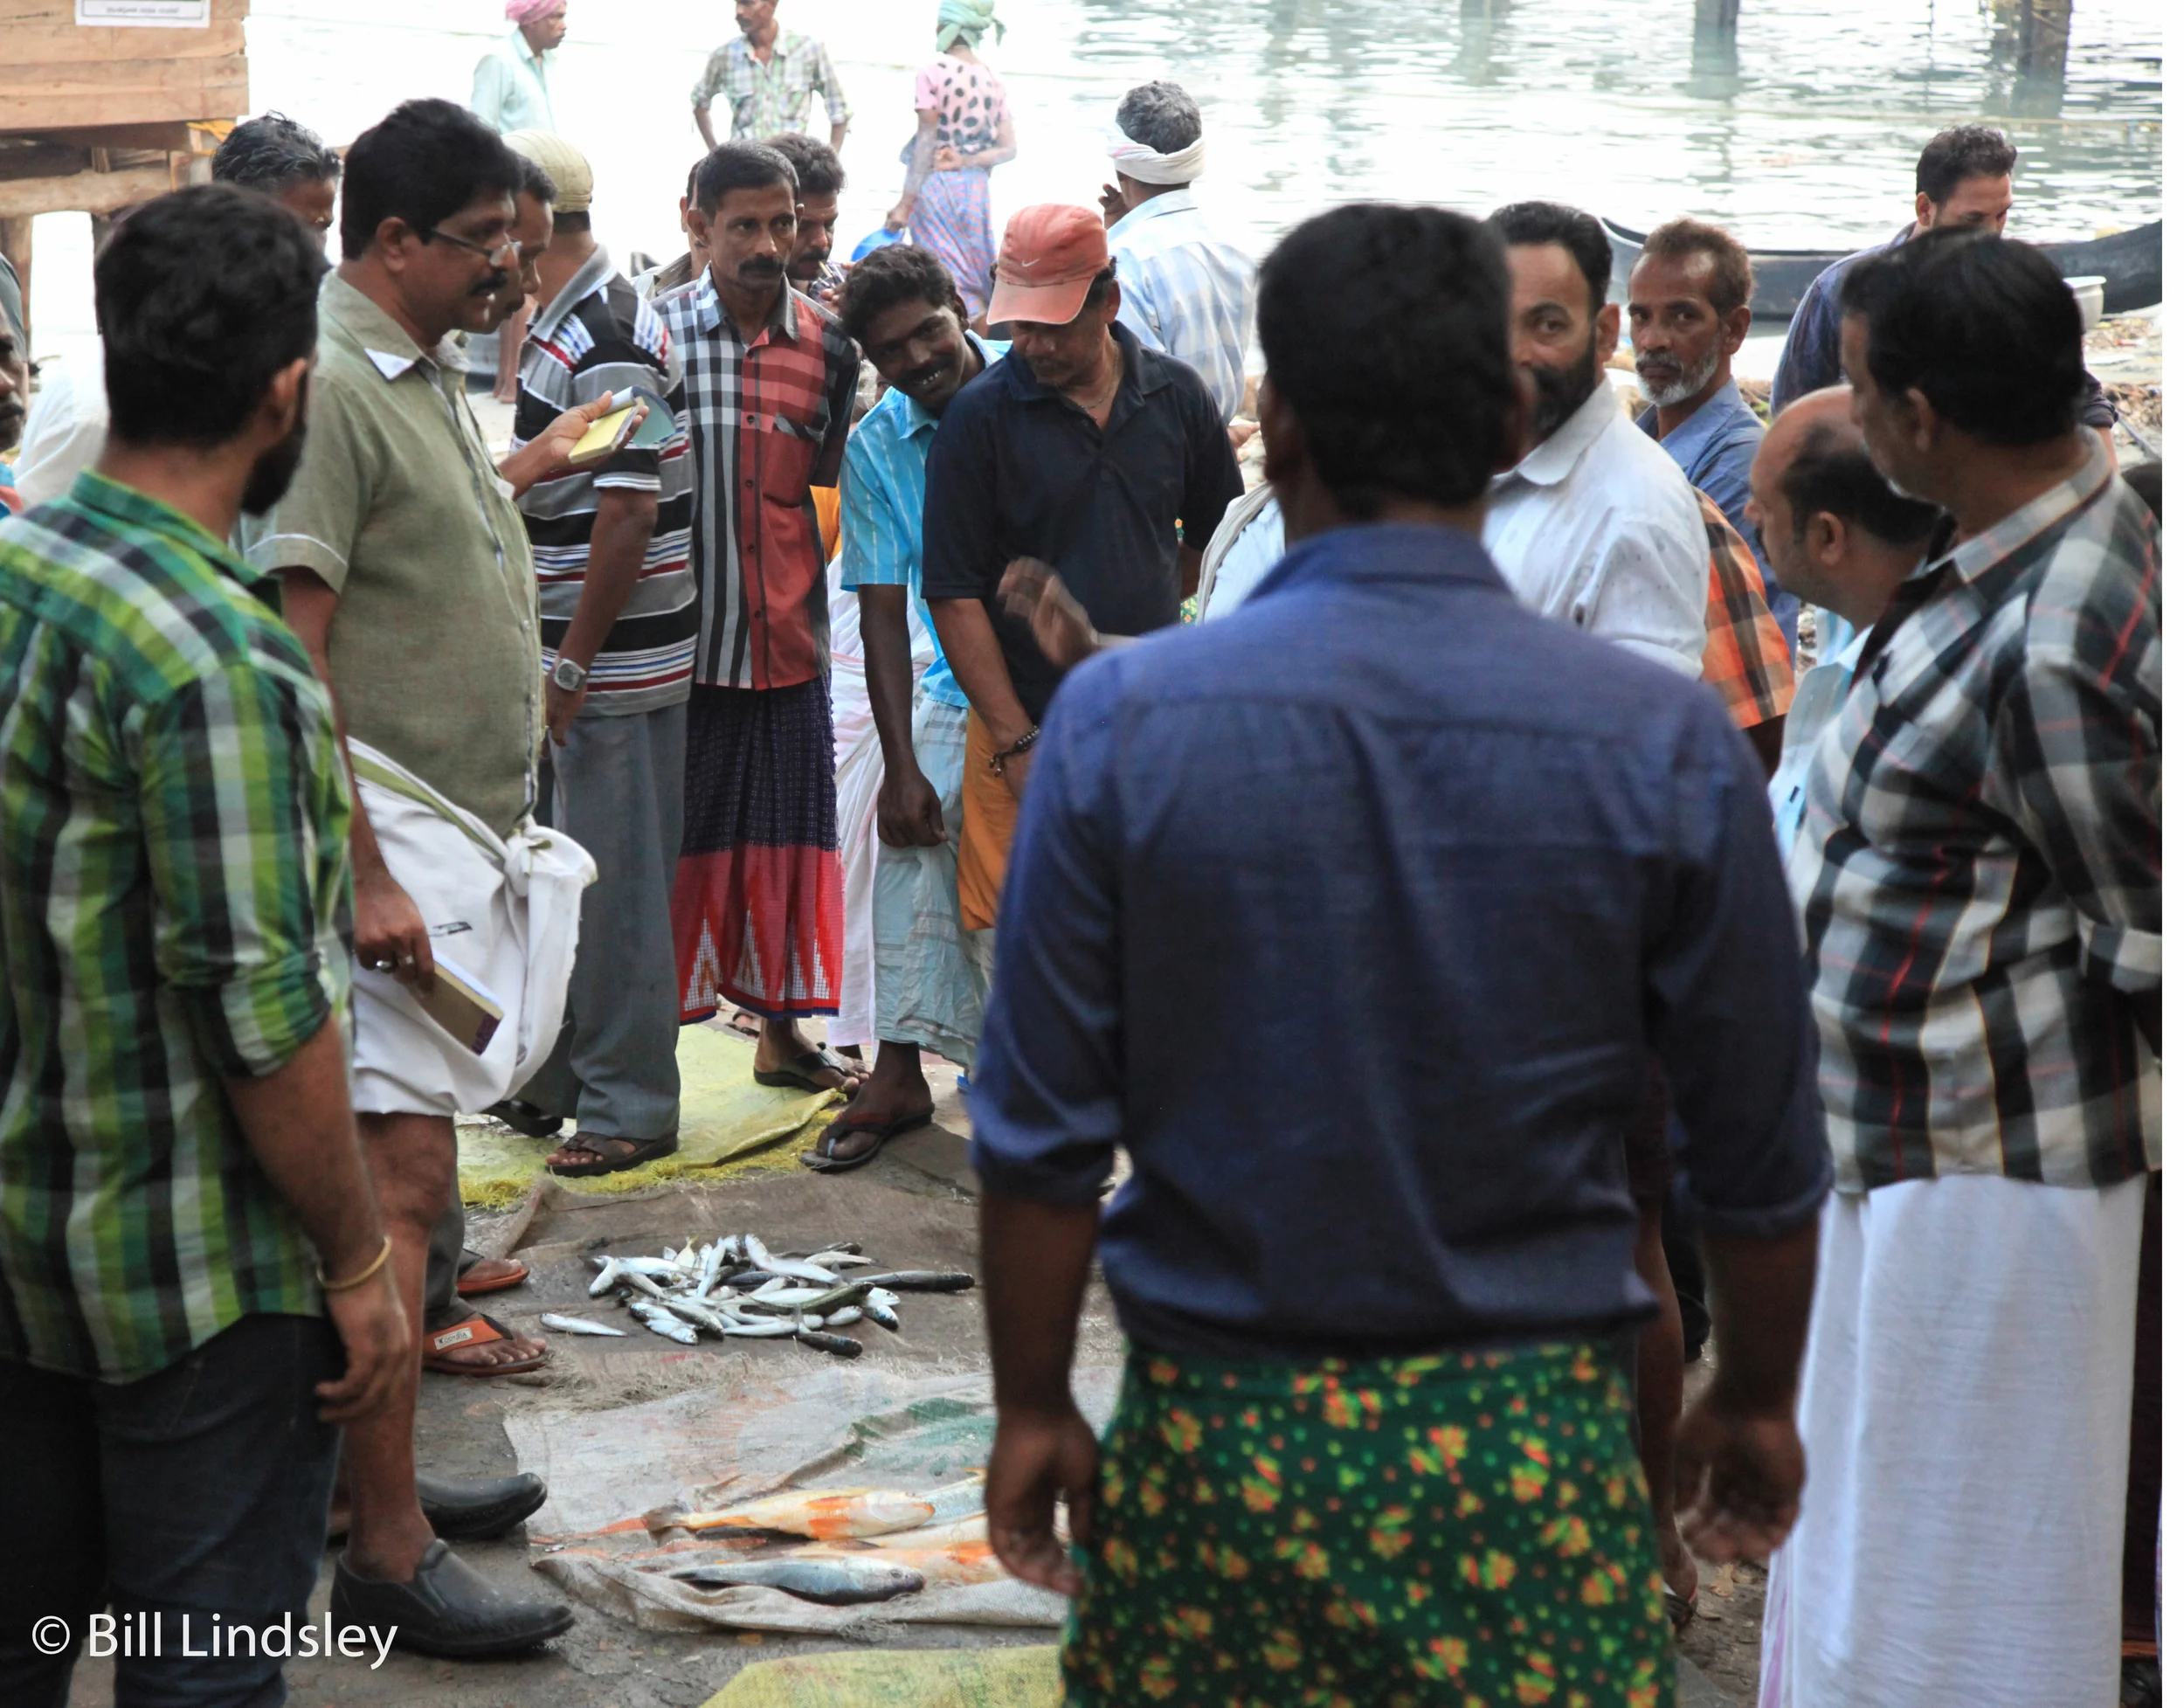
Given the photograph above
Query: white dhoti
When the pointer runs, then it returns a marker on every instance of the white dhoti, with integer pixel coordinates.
(858, 773)
(1966, 1413)
(502, 910)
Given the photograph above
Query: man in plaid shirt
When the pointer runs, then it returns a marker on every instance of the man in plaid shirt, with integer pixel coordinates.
(768, 75)
(1979, 872)
(769, 381)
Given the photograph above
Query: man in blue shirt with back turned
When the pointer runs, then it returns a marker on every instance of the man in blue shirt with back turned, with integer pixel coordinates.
(1376, 1270)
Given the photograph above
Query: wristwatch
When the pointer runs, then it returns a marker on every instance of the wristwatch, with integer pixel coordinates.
(569, 675)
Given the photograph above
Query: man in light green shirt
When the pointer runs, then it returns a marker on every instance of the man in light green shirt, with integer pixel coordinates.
(408, 579)
(508, 90)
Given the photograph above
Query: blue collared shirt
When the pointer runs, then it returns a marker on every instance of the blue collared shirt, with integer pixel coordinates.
(1185, 291)
(1821, 692)
(1361, 943)
(1714, 448)
(883, 509)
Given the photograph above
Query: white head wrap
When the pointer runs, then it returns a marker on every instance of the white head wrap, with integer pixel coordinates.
(1148, 165)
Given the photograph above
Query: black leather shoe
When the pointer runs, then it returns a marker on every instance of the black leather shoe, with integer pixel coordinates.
(475, 1512)
(447, 1609)
(527, 1118)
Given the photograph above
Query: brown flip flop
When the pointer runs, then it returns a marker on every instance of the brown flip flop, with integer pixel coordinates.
(478, 1331)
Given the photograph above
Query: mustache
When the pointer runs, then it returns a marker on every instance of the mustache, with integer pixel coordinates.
(761, 266)
(918, 378)
(494, 284)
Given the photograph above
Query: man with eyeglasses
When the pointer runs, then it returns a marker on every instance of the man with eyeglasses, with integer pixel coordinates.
(408, 577)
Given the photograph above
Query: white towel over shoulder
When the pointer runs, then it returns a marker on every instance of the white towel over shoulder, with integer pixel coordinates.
(503, 912)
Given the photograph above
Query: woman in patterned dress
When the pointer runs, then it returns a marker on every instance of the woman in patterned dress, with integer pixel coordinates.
(964, 132)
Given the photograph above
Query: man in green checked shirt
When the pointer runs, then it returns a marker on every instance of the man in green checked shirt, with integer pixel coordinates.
(194, 1291)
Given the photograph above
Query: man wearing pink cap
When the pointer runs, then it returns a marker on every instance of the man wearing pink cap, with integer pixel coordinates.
(1080, 450)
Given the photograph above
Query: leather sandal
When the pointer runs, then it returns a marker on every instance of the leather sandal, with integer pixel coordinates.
(449, 1608)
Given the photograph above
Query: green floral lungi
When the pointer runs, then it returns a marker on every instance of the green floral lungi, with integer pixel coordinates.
(1469, 1528)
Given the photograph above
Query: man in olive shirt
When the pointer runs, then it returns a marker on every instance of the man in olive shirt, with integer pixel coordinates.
(409, 579)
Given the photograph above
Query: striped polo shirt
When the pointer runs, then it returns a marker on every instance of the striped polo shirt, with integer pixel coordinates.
(598, 335)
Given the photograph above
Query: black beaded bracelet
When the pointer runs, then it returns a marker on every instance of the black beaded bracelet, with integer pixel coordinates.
(1023, 744)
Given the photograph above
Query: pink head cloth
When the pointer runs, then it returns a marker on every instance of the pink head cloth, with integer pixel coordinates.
(529, 11)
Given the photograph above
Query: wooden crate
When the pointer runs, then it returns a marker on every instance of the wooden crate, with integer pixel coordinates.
(61, 75)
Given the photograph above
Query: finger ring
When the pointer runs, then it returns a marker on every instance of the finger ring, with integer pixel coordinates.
(383, 966)
(409, 960)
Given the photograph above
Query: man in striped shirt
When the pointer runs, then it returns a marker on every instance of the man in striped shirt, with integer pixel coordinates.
(182, 1197)
(1979, 873)
(770, 378)
(618, 621)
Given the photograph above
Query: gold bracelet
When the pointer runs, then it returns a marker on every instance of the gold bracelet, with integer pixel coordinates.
(386, 1250)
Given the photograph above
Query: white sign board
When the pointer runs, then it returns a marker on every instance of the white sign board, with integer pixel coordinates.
(146, 14)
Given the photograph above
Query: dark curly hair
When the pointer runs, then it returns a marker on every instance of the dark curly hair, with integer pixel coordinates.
(900, 272)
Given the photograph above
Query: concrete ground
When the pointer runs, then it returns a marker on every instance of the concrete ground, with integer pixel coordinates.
(915, 1208)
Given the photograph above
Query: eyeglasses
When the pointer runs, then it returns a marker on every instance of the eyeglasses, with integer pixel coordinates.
(508, 246)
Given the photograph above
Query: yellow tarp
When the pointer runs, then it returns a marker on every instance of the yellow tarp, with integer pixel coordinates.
(900, 1678)
(727, 1117)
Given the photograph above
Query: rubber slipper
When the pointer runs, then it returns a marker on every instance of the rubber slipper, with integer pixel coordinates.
(797, 1075)
(469, 1285)
(478, 1330)
(823, 1160)
(641, 1151)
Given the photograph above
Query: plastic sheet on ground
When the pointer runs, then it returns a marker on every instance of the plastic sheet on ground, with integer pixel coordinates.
(900, 1678)
(727, 1117)
(608, 1470)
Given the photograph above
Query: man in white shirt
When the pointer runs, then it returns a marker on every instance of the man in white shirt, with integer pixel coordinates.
(1596, 525)
(1185, 291)
(1840, 535)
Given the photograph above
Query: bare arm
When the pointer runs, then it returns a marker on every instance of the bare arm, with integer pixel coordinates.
(974, 653)
(1043, 1449)
(923, 146)
(703, 113)
(1739, 1465)
(837, 135)
(1187, 562)
(621, 533)
(297, 1123)
(910, 807)
(390, 930)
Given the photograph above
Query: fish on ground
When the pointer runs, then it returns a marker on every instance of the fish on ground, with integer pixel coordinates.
(834, 1582)
(578, 1326)
(822, 1514)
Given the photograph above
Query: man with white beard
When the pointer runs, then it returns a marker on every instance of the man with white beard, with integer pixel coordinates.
(1690, 308)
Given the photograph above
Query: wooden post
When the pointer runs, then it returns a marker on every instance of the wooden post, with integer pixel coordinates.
(2043, 36)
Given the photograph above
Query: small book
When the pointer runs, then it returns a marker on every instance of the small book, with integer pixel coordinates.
(603, 437)
(469, 1012)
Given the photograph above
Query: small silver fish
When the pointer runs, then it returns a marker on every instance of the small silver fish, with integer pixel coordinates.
(834, 1583)
(839, 1344)
(578, 1326)
(609, 1278)
(775, 1327)
(845, 1316)
(663, 1322)
(882, 1314)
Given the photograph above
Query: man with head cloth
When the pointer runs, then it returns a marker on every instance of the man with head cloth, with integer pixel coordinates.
(1185, 292)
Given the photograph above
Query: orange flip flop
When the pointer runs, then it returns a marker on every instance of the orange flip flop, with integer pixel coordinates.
(469, 1286)
(478, 1330)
